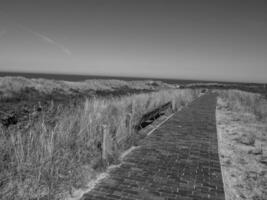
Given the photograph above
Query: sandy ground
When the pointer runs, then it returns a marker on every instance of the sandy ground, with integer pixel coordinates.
(243, 153)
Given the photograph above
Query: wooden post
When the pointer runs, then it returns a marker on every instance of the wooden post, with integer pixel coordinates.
(105, 142)
(129, 123)
(173, 105)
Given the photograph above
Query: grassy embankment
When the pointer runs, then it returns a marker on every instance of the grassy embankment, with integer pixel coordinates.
(61, 149)
(242, 131)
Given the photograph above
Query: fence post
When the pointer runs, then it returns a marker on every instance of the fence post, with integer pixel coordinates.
(129, 121)
(105, 142)
(173, 105)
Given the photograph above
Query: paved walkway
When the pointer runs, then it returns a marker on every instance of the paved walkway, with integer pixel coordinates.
(178, 161)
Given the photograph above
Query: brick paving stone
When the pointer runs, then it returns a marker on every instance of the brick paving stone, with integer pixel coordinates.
(179, 161)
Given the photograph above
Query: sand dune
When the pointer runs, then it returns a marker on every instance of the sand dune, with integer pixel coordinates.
(11, 85)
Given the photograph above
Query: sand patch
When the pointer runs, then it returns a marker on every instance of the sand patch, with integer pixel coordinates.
(242, 149)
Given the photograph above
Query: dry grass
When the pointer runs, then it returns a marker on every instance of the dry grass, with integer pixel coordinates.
(61, 150)
(10, 86)
(242, 132)
(241, 101)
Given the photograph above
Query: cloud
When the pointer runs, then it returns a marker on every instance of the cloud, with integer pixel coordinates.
(48, 40)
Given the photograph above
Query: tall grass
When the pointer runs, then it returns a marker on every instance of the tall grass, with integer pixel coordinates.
(245, 102)
(11, 87)
(52, 153)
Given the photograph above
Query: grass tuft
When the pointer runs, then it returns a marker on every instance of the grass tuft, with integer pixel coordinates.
(247, 139)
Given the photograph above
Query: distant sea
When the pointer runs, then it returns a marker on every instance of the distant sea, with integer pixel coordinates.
(69, 77)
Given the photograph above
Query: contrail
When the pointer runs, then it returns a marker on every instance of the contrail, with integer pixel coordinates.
(37, 34)
(48, 40)
(51, 41)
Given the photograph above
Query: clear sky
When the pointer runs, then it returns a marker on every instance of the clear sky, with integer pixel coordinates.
(206, 40)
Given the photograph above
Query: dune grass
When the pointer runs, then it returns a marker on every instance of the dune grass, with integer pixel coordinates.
(10, 87)
(61, 149)
(242, 132)
(245, 102)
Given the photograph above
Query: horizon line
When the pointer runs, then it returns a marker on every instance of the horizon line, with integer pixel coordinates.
(98, 76)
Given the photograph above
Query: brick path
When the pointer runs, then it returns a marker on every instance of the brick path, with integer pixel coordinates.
(178, 161)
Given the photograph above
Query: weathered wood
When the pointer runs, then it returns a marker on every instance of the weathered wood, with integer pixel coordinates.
(153, 114)
(173, 105)
(129, 122)
(178, 161)
(105, 142)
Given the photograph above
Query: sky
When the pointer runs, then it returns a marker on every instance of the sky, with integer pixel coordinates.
(205, 40)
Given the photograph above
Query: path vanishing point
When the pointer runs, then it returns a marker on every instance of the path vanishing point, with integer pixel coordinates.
(178, 161)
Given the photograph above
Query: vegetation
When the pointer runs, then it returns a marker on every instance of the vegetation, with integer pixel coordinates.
(11, 86)
(242, 131)
(61, 148)
(241, 101)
